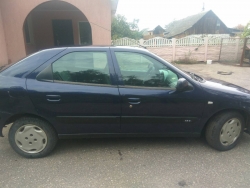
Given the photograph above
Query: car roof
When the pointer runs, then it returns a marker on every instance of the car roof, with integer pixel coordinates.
(92, 46)
(130, 48)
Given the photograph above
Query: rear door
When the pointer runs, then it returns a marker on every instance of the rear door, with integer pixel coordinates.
(77, 92)
(149, 101)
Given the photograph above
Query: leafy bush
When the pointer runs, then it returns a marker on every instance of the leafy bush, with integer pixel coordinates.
(246, 31)
(187, 59)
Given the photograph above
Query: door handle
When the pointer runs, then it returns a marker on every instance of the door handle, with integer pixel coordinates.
(134, 100)
(53, 98)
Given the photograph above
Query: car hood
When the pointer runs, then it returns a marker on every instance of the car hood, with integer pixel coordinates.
(225, 87)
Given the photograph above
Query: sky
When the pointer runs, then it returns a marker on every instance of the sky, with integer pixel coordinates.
(161, 12)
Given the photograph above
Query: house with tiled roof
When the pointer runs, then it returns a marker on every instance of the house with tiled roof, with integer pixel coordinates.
(158, 31)
(206, 22)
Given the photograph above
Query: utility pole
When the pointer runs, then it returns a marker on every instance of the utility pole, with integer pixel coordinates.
(203, 8)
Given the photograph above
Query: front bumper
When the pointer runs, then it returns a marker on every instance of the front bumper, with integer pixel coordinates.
(247, 126)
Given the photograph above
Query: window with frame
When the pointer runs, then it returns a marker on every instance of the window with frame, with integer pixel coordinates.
(82, 67)
(142, 70)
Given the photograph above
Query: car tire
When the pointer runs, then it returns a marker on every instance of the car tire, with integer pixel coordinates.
(32, 137)
(225, 130)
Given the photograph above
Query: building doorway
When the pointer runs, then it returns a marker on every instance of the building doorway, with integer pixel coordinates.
(54, 24)
(63, 32)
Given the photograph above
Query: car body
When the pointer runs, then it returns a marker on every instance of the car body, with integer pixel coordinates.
(116, 91)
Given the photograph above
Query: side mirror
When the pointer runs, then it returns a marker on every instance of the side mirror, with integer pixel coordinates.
(182, 85)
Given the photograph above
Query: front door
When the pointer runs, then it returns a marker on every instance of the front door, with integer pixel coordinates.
(63, 32)
(149, 101)
(81, 98)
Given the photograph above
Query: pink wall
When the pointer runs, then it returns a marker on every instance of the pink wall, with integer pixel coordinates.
(43, 31)
(3, 51)
(14, 13)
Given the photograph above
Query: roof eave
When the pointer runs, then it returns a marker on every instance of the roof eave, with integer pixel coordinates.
(173, 35)
(114, 4)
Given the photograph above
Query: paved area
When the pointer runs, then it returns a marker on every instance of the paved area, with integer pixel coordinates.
(135, 162)
(240, 75)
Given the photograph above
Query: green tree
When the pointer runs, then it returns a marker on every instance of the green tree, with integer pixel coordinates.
(121, 28)
(246, 31)
(240, 27)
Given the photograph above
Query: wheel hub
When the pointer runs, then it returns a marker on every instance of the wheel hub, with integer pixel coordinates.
(31, 138)
(230, 132)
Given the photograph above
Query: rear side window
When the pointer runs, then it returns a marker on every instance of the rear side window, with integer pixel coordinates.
(24, 67)
(82, 67)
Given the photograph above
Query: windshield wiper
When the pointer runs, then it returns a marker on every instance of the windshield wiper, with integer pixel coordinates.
(196, 77)
(191, 74)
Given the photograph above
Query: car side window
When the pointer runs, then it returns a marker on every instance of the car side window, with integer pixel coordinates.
(142, 70)
(82, 67)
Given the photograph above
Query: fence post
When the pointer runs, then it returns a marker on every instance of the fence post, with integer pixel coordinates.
(221, 43)
(206, 46)
(141, 42)
(237, 48)
(174, 50)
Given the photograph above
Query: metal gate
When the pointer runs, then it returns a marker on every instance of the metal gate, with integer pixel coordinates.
(231, 50)
(245, 58)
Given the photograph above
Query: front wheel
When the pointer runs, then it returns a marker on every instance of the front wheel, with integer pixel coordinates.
(32, 137)
(225, 130)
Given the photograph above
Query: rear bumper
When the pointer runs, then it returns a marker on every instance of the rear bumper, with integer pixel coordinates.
(3, 119)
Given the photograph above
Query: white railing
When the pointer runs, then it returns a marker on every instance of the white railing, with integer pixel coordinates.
(190, 41)
(214, 41)
(229, 41)
(157, 42)
(125, 42)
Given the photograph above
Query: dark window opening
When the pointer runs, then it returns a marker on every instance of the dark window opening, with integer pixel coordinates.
(27, 32)
(63, 32)
(85, 33)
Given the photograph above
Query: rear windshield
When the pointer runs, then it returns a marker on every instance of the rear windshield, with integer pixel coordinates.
(25, 66)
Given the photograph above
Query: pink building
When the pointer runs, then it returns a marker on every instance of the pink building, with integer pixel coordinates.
(27, 26)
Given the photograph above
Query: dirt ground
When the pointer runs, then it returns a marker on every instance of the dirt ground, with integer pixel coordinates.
(239, 76)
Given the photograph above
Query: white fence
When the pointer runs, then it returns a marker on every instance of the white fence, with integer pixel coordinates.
(198, 47)
(186, 41)
(125, 42)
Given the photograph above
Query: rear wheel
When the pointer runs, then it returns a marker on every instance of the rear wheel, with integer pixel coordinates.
(32, 137)
(225, 130)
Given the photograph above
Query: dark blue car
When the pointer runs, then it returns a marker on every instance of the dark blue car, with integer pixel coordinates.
(114, 91)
